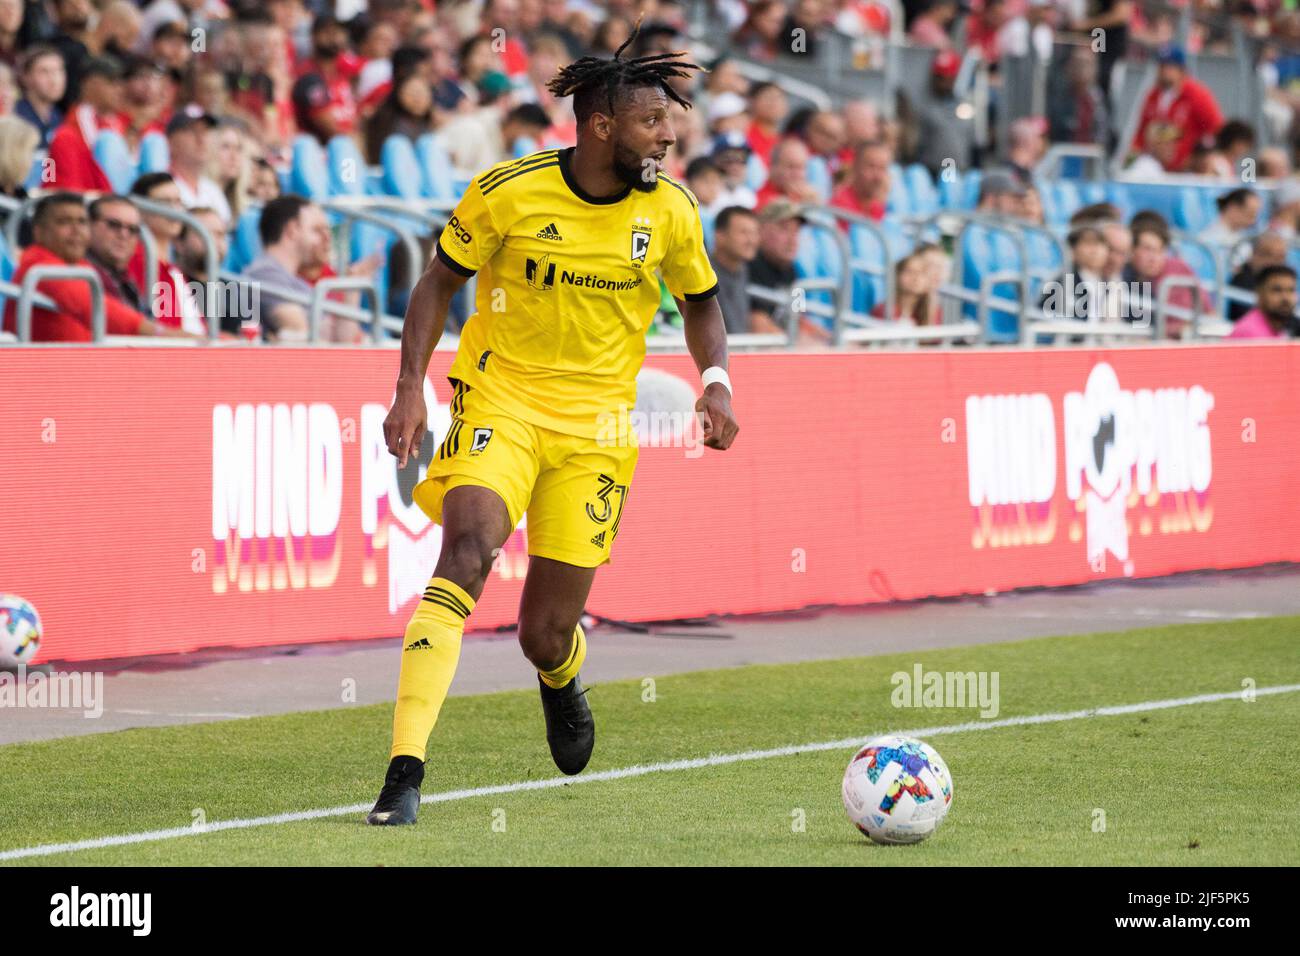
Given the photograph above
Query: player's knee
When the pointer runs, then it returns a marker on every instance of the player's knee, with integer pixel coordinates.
(545, 642)
(467, 560)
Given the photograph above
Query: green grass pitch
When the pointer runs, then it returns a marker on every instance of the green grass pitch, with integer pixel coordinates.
(1201, 784)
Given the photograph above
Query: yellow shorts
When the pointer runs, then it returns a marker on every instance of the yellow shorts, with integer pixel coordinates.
(573, 489)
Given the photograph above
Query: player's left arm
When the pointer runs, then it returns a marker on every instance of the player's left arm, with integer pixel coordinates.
(706, 337)
(694, 285)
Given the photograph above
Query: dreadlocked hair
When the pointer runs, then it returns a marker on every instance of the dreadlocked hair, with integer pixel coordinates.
(594, 83)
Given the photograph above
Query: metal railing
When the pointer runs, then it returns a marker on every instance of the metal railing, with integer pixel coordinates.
(27, 298)
(320, 298)
(317, 302)
(1048, 167)
(352, 212)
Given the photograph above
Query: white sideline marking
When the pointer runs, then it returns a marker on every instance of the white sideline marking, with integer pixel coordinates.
(696, 763)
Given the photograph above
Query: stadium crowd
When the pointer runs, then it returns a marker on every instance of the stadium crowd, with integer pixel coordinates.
(222, 89)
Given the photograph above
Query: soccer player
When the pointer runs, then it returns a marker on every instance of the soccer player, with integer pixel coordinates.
(566, 244)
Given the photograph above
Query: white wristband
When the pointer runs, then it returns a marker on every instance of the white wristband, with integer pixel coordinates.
(716, 373)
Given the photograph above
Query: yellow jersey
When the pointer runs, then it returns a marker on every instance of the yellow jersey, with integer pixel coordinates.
(567, 287)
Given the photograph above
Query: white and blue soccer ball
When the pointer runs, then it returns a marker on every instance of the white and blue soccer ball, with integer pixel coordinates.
(20, 631)
(897, 789)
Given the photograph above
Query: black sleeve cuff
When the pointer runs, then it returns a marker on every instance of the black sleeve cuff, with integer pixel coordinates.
(451, 263)
(701, 296)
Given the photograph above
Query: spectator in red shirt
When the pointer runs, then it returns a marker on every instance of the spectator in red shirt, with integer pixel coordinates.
(1178, 113)
(323, 101)
(867, 188)
(984, 27)
(768, 106)
(788, 176)
(72, 160)
(61, 234)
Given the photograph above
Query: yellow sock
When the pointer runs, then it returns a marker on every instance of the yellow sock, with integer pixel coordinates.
(569, 669)
(429, 656)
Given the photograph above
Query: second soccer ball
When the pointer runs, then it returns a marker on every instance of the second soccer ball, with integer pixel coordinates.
(20, 631)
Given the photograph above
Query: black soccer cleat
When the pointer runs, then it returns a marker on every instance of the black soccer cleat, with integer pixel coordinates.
(570, 728)
(400, 798)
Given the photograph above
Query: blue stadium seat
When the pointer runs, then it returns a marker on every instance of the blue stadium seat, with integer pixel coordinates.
(7, 264)
(1117, 194)
(899, 201)
(402, 176)
(1091, 192)
(985, 251)
(755, 172)
(114, 158)
(952, 191)
(435, 168)
(925, 198)
(1163, 198)
(1051, 207)
(817, 259)
(970, 188)
(1066, 201)
(868, 290)
(1209, 208)
(707, 220)
(819, 175)
(1044, 254)
(1189, 212)
(1198, 258)
(155, 155)
(347, 167)
(368, 238)
(245, 244)
(309, 174)
(523, 146)
(35, 174)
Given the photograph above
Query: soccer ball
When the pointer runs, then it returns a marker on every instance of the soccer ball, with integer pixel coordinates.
(20, 631)
(897, 790)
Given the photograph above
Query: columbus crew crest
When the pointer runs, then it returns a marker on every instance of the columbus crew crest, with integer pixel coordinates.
(640, 238)
(481, 438)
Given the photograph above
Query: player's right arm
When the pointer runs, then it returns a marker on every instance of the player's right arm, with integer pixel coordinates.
(468, 241)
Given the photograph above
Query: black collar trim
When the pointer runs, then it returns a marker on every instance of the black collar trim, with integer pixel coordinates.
(566, 170)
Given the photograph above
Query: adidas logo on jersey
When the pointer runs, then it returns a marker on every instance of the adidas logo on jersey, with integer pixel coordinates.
(598, 539)
(550, 232)
(421, 645)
